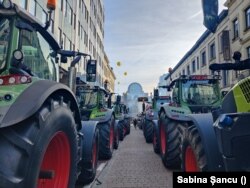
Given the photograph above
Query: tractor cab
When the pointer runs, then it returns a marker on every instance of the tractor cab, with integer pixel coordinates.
(197, 92)
(93, 101)
(27, 49)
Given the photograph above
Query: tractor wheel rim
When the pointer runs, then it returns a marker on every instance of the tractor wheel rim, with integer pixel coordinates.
(163, 140)
(190, 160)
(56, 160)
(94, 156)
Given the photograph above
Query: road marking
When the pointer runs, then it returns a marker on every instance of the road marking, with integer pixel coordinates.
(101, 166)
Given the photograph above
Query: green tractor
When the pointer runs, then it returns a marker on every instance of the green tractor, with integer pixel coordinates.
(219, 141)
(151, 128)
(195, 94)
(43, 141)
(122, 118)
(95, 105)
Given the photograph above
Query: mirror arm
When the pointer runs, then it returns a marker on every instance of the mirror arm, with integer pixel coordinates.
(47, 24)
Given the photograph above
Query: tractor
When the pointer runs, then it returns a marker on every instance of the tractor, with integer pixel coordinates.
(152, 116)
(95, 105)
(219, 141)
(43, 141)
(122, 117)
(191, 94)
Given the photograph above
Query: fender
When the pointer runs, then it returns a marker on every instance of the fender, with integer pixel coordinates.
(106, 118)
(32, 99)
(204, 124)
(88, 130)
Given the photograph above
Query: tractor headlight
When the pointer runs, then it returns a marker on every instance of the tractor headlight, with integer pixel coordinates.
(7, 4)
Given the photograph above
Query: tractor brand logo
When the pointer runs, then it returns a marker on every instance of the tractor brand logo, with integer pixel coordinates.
(6, 97)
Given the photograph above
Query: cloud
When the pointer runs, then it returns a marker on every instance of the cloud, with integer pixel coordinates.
(149, 36)
(194, 15)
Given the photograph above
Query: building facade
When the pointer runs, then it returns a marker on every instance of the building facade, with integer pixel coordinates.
(77, 25)
(109, 76)
(232, 34)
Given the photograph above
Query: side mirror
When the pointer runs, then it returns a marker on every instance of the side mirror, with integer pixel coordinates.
(91, 71)
(156, 93)
(64, 59)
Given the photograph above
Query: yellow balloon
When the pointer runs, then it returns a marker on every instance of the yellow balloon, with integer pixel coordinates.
(118, 63)
(125, 73)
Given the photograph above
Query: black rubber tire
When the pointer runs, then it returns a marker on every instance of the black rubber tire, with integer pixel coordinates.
(23, 145)
(116, 137)
(192, 141)
(89, 166)
(148, 131)
(121, 131)
(127, 124)
(156, 139)
(171, 158)
(105, 147)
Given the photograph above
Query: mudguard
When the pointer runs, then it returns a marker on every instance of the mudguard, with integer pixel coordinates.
(88, 130)
(204, 124)
(31, 100)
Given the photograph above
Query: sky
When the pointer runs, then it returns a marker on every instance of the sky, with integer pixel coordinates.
(148, 37)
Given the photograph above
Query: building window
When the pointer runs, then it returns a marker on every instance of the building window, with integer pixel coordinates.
(60, 4)
(188, 70)
(74, 21)
(59, 36)
(23, 3)
(248, 52)
(183, 72)
(203, 59)
(32, 7)
(79, 28)
(212, 51)
(193, 66)
(247, 14)
(198, 63)
(235, 29)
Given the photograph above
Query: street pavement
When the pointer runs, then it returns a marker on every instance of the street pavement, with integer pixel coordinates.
(134, 164)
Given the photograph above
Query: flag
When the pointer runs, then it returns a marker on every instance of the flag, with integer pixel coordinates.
(210, 13)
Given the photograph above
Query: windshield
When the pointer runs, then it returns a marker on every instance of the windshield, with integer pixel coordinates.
(39, 57)
(200, 92)
(87, 98)
(4, 37)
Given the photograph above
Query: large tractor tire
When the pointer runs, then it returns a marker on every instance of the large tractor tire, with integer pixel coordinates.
(127, 126)
(121, 130)
(90, 149)
(193, 158)
(156, 139)
(148, 131)
(116, 136)
(106, 134)
(41, 151)
(169, 143)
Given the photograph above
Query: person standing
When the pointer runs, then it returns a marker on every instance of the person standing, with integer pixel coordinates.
(135, 123)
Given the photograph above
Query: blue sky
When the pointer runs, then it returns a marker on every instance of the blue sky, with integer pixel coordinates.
(149, 36)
